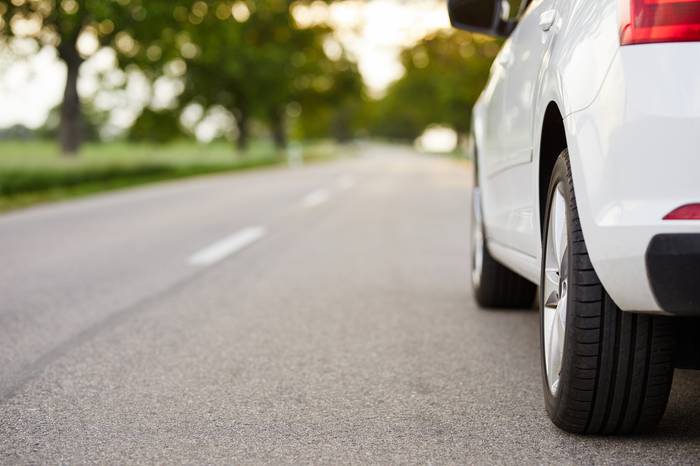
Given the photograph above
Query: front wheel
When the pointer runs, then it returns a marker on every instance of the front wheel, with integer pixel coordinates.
(605, 371)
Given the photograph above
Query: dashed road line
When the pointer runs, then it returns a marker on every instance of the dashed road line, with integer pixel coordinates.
(227, 246)
(315, 198)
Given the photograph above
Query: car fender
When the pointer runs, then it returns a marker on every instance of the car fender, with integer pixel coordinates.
(574, 69)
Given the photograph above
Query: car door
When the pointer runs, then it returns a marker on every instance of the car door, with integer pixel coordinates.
(493, 98)
(490, 151)
(529, 44)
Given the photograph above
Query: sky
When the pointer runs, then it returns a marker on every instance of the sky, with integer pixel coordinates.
(373, 32)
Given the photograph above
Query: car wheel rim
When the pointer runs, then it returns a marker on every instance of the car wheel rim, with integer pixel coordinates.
(477, 238)
(556, 286)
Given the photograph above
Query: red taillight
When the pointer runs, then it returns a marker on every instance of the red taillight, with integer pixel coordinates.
(686, 212)
(648, 21)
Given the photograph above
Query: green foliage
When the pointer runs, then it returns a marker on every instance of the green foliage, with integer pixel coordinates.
(91, 124)
(249, 57)
(33, 171)
(61, 24)
(445, 74)
(34, 167)
(252, 59)
(156, 127)
(334, 106)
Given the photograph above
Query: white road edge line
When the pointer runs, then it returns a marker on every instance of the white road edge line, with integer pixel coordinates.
(315, 198)
(227, 246)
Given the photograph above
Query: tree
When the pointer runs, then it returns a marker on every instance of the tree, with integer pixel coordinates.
(254, 60)
(156, 127)
(331, 104)
(445, 74)
(250, 58)
(63, 24)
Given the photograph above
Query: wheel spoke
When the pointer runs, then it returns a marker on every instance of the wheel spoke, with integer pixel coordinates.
(562, 307)
(553, 358)
(552, 299)
(551, 287)
(560, 236)
(551, 276)
(549, 323)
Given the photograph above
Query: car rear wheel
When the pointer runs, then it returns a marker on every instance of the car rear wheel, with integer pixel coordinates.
(605, 371)
(494, 285)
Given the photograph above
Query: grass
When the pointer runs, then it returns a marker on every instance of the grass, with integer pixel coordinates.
(33, 172)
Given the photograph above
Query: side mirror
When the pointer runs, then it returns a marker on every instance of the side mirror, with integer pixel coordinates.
(485, 16)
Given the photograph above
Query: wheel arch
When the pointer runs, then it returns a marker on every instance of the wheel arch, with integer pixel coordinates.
(552, 142)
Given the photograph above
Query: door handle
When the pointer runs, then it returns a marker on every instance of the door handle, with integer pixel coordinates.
(547, 19)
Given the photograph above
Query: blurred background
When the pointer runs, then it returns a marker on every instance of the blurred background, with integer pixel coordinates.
(98, 94)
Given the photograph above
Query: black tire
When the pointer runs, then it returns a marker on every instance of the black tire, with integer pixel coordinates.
(494, 285)
(617, 367)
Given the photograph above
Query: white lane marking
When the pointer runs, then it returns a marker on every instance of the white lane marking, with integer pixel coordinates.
(227, 246)
(315, 198)
(346, 182)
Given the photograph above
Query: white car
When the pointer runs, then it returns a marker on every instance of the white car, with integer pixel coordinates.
(587, 149)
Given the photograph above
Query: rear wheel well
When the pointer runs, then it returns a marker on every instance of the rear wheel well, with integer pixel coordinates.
(552, 144)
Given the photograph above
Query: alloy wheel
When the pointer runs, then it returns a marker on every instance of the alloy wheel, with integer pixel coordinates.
(556, 283)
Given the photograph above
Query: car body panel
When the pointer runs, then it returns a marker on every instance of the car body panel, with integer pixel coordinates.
(635, 156)
(619, 113)
(511, 213)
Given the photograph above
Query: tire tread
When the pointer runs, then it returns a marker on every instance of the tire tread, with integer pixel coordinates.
(618, 366)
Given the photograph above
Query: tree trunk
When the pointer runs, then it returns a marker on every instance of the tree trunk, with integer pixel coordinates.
(279, 130)
(243, 131)
(71, 130)
(340, 125)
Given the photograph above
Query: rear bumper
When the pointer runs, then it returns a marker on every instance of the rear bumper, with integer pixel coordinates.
(673, 268)
(635, 155)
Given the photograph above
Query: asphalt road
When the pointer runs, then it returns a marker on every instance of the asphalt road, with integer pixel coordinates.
(307, 315)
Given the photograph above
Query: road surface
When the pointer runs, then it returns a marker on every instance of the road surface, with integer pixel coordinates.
(306, 315)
